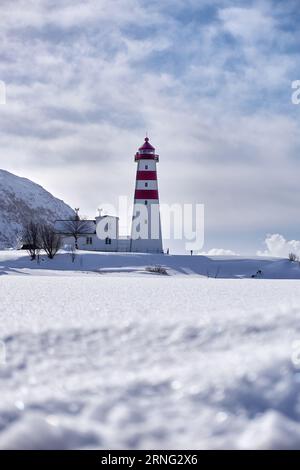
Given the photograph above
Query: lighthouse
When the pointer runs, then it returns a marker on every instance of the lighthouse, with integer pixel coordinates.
(146, 224)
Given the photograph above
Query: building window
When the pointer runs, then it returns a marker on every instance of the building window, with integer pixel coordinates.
(146, 202)
(89, 240)
(146, 185)
(107, 241)
(146, 167)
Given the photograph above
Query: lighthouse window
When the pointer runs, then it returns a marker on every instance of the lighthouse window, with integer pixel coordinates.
(146, 167)
(146, 185)
(146, 202)
(107, 241)
(146, 151)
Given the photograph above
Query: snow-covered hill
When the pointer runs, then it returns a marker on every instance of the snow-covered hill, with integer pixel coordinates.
(22, 200)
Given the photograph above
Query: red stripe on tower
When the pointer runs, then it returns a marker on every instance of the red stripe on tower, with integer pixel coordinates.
(146, 175)
(146, 194)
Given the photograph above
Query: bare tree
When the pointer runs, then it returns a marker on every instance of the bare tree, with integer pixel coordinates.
(50, 240)
(76, 227)
(31, 239)
(293, 257)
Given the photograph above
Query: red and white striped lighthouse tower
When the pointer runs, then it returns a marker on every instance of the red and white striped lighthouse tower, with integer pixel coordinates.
(146, 225)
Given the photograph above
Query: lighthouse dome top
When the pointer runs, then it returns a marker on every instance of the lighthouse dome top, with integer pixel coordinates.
(146, 145)
(146, 152)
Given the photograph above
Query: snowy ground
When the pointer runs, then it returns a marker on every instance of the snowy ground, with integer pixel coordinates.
(147, 361)
(18, 262)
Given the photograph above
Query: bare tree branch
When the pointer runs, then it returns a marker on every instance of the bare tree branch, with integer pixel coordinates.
(75, 228)
(51, 241)
(31, 239)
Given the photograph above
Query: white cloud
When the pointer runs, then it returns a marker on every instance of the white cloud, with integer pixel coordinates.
(249, 24)
(278, 246)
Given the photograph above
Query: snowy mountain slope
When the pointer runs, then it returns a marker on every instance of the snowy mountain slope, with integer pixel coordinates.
(91, 362)
(22, 200)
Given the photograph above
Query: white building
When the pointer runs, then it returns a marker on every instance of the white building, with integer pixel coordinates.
(102, 233)
(87, 236)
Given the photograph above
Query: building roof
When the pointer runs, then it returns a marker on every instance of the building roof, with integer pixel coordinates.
(146, 145)
(65, 227)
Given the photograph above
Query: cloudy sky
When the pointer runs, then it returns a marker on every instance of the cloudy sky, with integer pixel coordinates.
(210, 81)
